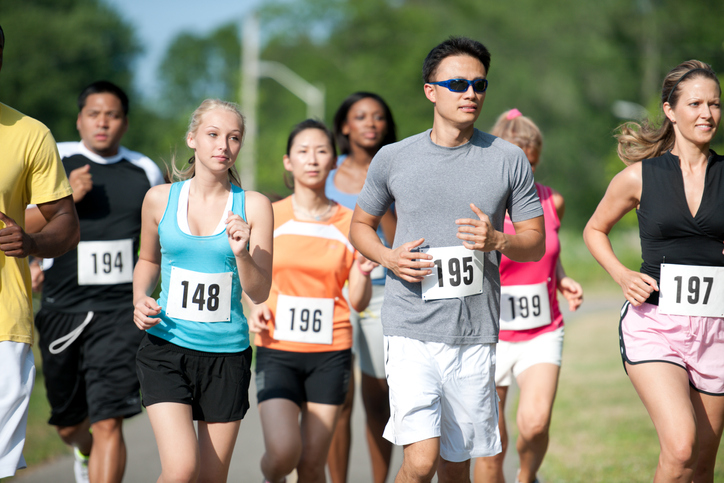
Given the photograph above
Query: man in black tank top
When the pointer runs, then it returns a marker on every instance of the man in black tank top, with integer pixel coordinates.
(87, 337)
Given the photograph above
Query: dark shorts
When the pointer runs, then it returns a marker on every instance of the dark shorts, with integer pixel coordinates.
(318, 377)
(95, 375)
(215, 385)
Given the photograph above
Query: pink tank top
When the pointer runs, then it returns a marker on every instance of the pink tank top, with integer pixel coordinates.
(544, 270)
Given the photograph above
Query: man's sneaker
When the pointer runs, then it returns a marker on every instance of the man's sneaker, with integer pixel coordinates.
(80, 467)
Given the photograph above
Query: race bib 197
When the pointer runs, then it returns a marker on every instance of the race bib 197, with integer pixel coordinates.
(199, 297)
(105, 262)
(524, 307)
(304, 319)
(458, 272)
(691, 290)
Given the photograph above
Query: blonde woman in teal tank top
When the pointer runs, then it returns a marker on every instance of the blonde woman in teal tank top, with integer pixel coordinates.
(210, 239)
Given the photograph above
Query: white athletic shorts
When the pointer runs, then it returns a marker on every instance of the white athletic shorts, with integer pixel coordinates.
(16, 384)
(516, 357)
(443, 391)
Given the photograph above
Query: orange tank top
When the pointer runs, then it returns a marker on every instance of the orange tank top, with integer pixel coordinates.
(312, 260)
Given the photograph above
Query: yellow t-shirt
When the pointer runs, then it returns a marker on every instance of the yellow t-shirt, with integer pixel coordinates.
(31, 174)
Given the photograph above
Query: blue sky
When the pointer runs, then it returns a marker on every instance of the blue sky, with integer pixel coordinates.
(157, 22)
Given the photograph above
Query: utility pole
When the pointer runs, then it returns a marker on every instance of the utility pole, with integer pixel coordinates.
(252, 70)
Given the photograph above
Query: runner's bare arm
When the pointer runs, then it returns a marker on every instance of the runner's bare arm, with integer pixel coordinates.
(360, 284)
(148, 268)
(60, 233)
(623, 195)
(411, 266)
(254, 264)
(527, 245)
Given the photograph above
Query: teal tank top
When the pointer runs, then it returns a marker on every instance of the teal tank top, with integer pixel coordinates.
(207, 314)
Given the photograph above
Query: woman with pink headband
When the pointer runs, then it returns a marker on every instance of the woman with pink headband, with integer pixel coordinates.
(531, 324)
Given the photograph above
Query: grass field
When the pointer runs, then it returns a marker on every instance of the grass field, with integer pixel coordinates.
(600, 430)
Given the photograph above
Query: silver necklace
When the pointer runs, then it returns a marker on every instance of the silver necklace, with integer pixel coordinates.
(308, 214)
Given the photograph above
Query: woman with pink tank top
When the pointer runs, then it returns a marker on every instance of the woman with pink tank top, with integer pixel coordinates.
(531, 324)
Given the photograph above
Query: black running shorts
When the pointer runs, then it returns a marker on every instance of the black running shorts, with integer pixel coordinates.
(215, 385)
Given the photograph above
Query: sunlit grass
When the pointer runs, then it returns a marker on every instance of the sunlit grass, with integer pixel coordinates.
(600, 430)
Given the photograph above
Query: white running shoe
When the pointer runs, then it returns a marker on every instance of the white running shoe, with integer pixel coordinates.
(80, 467)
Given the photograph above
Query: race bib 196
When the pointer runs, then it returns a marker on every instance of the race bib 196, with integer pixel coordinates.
(304, 319)
(199, 297)
(458, 272)
(691, 290)
(524, 307)
(105, 262)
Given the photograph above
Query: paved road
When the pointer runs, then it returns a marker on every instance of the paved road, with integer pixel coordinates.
(144, 465)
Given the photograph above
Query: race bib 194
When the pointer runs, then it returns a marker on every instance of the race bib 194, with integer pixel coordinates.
(105, 262)
(199, 297)
(304, 319)
(458, 272)
(691, 290)
(524, 307)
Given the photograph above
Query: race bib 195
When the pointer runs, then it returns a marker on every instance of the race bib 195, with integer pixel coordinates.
(524, 307)
(105, 262)
(458, 272)
(691, 290)
(199, 297)
(304, 319)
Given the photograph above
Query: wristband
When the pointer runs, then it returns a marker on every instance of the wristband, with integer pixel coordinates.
(366, 274)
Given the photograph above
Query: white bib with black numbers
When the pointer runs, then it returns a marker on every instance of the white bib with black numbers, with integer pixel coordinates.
(199, 297)
(105, 262)
(524, 307)
(691, 290)
(458, 272)
(304, 319)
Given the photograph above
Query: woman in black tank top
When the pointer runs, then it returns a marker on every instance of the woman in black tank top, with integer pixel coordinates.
(676, 184)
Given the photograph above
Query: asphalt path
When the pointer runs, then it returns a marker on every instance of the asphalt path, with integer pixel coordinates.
(144, 464)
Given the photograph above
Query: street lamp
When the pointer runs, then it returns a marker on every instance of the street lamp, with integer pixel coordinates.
(252, 70)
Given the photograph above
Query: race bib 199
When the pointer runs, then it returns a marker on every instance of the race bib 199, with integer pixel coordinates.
(524, 307)
(304, 319)
(691, 290)
(199, 297)
(105, 262)
(458, 272)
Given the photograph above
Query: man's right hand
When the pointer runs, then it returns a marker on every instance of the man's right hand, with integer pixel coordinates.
(81, 181)
(411, 266)
(14, 242)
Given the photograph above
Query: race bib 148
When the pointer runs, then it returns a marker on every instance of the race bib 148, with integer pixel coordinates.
(199, 297)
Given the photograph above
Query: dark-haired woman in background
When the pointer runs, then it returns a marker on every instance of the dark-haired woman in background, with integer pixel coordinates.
(362, 125)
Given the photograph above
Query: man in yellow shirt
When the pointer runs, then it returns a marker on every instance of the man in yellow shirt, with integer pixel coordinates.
(32, 173)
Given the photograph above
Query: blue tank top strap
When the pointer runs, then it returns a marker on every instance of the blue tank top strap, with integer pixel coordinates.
(348, 200)
(239, 201)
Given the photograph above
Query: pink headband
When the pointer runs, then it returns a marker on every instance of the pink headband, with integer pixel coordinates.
(513, 113)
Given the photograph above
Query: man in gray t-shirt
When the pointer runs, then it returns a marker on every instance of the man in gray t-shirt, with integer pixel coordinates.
(451, 186)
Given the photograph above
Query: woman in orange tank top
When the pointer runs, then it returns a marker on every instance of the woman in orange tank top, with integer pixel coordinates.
(304, 336)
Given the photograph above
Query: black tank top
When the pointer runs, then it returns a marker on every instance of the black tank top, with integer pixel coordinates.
(668, 231)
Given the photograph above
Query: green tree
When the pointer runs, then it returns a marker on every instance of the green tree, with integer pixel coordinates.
(563, 63)
(54, 48)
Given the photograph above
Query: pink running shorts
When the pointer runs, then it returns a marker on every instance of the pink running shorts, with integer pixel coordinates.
(694, 343)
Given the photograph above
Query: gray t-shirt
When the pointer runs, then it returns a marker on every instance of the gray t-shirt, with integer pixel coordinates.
(431, 187)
